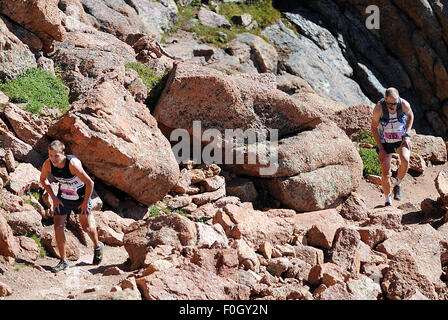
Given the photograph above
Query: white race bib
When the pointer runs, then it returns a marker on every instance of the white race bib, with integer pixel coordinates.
(69, 192)
(392, 136)
(69, 187)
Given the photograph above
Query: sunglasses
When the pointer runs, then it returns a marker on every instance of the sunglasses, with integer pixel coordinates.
(391, 104)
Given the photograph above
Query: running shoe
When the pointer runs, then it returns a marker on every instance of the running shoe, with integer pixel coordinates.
(62, 265)
(397, 193)
(98, 254)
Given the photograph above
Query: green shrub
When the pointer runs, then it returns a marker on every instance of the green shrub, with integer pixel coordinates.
(371, 163)
(155, 93)
(185, 14)
(365, 136)
(37, 88)
(153, 81)
(42, 251)
(149, 77)
(219, 37)
(262, 11)
(182, 212)
(154, 212)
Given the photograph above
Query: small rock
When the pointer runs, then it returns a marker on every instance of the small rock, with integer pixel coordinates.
(441, 183)
(286, 250)
(211, 19)
(277, 266)
(328, 274)
(190, 208)
(253, 25)
(112, 271)
(158, 265)
(389, 217)
(246, 255)
(203, 198)
(210, 235)
(226, 200)
(354, 208)
(266, 250)
(3, 174)
(179, 202)
(345, 250)
(374, 179)
(372, 235)
(276, 253)
(196, 175)
(115, 289)
(366, 145)
(4, 99)
(213, 183)
(11, 163)
(417, 163)
(210, 170)
(4, 290)
(242, 20)
(243, 189)
(321, 235)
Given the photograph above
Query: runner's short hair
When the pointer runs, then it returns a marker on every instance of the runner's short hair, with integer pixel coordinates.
(392, 92)
(57, 146)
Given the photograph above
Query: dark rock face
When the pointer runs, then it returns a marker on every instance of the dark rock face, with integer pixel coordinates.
(408, 51)
(317, 59)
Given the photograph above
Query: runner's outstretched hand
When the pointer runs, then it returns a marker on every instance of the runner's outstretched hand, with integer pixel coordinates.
(83, 206)
(57, 203)
(407, 143)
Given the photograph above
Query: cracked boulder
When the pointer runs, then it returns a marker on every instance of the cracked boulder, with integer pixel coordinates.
(118, 141)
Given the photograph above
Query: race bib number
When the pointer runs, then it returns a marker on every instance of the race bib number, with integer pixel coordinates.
(69, 192)
(392, 135)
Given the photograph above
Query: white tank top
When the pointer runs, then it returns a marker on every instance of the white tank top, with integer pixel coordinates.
(393, 131)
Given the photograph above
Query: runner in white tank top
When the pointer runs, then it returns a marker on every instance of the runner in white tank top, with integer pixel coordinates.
(391, 125)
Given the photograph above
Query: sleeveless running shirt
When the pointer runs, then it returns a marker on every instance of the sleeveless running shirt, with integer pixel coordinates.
(70, 186)
(393, 131)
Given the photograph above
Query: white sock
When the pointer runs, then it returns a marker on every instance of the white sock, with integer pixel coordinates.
(388, 198)
(398, 182)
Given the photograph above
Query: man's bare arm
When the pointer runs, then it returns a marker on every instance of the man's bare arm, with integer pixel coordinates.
(45, 171)
(410, 115)
(375, 123)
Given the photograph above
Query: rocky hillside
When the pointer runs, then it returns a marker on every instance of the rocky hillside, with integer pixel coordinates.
(408, 50)
(117, 80)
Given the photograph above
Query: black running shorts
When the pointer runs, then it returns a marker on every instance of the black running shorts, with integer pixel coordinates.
(71, 206)
(390, 147)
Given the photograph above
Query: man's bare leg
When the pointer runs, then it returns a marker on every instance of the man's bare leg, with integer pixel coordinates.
(89, 226)
(386, 175)
(405, 155)
(59, 226)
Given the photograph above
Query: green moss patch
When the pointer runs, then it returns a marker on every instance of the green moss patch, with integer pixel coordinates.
(37, 88)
